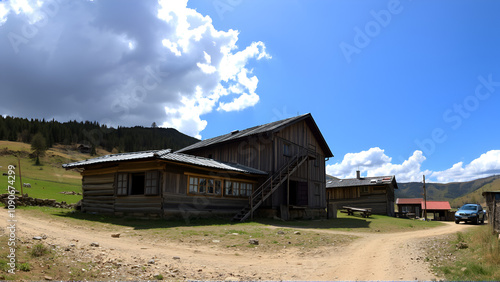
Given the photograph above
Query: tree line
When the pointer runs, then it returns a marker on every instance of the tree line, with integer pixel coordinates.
(93, 134)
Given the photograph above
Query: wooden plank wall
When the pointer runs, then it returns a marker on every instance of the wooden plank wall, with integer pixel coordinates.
(254, 152)
(98, 193)
(378, 203)
(343, 193)
(300, 137)
(138, 204)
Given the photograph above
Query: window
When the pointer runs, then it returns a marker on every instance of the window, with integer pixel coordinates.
(218, 187)
(143, 183)
(152, 181)
(229, 188)
(236, 188)
(210, 186)
(193, 184)
(365, 189)
(202, 186)
(122, 184)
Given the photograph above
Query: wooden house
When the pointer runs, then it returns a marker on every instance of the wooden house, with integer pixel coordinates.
(415, 207)
(376, 193)
(277, 169)
(292, 151)
(493, 204)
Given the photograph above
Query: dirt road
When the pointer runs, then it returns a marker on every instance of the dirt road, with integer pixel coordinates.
(374, 256)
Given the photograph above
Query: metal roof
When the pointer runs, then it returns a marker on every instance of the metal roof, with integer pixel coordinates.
(430, 205)
(409, 201)
(363, 181)
(260, 129)
(436, 205)
(166, 155)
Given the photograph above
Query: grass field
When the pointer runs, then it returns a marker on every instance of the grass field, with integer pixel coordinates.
(470, 256)
(48, 179)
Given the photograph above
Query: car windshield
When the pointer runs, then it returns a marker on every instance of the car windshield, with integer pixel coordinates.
(468, 208)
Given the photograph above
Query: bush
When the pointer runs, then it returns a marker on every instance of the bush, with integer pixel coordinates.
(39, 250)
(24, 266)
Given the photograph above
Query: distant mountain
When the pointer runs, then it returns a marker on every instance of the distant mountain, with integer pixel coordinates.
(92, 134)
(448, 191)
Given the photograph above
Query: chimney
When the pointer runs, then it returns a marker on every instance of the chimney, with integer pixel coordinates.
(358, 174)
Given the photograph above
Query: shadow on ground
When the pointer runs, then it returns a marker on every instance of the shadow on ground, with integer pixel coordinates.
(141, 224)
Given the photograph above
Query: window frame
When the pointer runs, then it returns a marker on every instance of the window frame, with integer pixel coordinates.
(123, 183)
(221, 187)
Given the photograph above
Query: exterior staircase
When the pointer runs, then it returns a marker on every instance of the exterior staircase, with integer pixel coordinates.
(270, 186)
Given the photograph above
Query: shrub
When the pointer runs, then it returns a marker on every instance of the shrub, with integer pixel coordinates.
(39, 250)
(24, 266)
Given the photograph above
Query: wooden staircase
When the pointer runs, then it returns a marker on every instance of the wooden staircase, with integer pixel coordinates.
(270, 186)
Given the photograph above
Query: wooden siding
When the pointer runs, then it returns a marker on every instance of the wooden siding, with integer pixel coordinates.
(379, 197)
(378, 203)
(343, 193)
(98, 193)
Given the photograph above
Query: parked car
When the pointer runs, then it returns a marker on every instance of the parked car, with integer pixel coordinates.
(473, 213)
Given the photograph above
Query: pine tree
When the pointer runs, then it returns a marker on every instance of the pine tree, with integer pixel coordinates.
(38, 146)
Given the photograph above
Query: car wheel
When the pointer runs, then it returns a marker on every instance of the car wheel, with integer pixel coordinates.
(475, 220)
(457, 221)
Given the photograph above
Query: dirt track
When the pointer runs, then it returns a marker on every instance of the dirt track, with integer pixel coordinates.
(374, 256)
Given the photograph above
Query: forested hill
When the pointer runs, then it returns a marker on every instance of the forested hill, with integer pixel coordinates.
(122, 139)
(440, 191)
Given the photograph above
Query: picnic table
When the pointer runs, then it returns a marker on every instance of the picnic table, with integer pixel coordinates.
(365, 212)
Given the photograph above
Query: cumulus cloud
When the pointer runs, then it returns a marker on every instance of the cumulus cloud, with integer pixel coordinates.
(487, 164)
(374, 162)
(122, 63)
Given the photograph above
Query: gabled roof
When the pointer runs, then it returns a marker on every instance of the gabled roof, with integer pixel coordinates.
(265, 128)
(436, 205)
(166, 155)
(363, 181)
(409, 201)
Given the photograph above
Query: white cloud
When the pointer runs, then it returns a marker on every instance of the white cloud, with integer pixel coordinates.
(374, 162)
(487, 164)
(145, 62)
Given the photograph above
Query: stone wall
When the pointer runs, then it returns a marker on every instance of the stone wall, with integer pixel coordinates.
(30, 201)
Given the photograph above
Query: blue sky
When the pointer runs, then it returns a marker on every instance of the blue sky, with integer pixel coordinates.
(396, 87)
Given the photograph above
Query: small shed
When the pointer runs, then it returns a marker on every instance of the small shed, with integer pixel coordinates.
(409, 207)
(493, 204)
(440, 210)
(415, 207)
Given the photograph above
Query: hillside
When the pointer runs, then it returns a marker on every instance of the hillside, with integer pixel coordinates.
(122, 139)
(49, 179)
(448, 191)
(477, 195)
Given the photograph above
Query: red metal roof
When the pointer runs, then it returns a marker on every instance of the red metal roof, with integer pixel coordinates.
(410, 201)
(437, 205)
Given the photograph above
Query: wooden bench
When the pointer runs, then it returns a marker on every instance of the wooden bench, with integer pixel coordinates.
(365, 212)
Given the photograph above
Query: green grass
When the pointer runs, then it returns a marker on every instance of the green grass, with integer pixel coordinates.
(480, 261)
(47, 180)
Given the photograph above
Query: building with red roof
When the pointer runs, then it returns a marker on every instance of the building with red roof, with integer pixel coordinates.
(415, 207)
